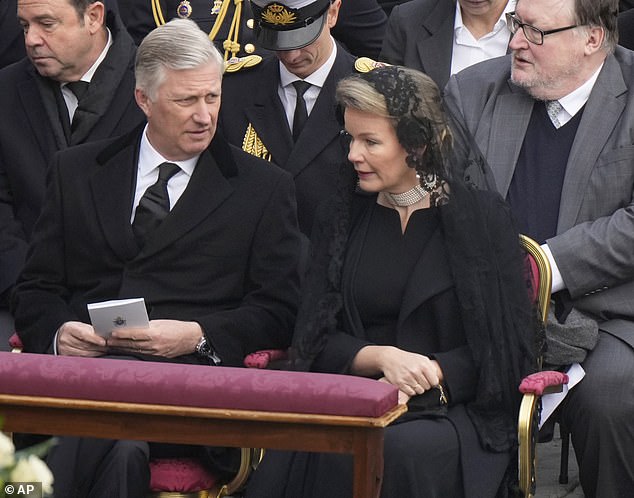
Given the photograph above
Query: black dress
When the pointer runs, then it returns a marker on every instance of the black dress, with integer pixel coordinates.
(422, 449)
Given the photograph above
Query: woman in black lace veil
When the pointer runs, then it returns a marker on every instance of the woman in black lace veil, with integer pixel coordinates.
(416, 279)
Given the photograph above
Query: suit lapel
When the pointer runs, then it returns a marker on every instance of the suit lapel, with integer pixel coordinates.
(37, 89)
(268, 117)
(511, 116)
(605, 107)
(113, 188)
(431, 276)
(435, 41)
(206, 190)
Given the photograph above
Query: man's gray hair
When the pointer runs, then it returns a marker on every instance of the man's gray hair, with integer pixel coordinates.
(179, 44)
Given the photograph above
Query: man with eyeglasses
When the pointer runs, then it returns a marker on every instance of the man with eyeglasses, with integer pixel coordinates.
(555, 122)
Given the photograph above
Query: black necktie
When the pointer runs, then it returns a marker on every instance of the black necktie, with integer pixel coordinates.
(301, 113)
(79, 88)
(154, 205)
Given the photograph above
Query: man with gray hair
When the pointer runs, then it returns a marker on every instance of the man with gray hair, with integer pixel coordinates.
(203, 231)
(555, 122)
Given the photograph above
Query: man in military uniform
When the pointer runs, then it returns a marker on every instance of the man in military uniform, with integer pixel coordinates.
(264, 111)
(230, 24)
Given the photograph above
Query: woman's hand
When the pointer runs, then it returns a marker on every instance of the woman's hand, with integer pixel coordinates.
(402, 397)
(412, 373)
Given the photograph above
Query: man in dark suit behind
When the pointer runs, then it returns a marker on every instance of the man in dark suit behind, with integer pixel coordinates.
(66, 41)
(554, 121)
(11, 38)
(212, 246)
(260, 107)
(442, 37)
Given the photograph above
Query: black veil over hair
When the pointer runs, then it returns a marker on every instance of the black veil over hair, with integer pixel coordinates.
(499, 321)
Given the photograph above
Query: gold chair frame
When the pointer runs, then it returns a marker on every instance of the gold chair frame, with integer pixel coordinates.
(530, 407)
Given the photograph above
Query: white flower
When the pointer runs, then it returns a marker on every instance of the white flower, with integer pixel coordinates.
(32, 469)
(6, 452)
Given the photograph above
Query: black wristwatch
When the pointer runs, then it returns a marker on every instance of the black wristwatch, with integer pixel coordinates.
(204, 349)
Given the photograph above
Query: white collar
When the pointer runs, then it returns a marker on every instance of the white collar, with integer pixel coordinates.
(576, 99)
(318, 77)
(500, 24)
(150, 158)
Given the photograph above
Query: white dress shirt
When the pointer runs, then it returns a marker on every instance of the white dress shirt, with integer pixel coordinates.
(288, 94)
(69, 96)
(148, 170)
(468, 51)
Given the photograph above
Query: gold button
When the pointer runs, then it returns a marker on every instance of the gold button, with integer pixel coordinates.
(250, 23)
(249, 48)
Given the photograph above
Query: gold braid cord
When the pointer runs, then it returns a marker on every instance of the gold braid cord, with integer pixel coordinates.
(253, 145)
(231, 45)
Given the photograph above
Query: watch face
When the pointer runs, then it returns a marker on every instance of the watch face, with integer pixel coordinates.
(203, 347)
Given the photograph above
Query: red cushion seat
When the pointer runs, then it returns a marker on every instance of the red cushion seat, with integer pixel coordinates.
(180, 475)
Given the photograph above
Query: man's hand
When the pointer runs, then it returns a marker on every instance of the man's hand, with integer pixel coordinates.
(79, 339)
(167, 338)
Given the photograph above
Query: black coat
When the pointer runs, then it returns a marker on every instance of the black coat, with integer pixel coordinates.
(31, 131)
(314, 160)
(11, 36)
(626, 29)
(432, 321)
(225, 256)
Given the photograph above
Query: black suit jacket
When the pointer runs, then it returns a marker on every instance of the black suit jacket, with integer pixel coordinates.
(11, 37)
(225, 256)
(420, 35)
(32, 130)
(626, 29)
(314, 160)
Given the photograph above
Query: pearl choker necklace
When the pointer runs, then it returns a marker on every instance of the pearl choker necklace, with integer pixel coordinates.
(408, 198)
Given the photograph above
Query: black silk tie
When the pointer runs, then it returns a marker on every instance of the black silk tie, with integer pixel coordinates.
(301, 113)
(79, 88)
(154, 205)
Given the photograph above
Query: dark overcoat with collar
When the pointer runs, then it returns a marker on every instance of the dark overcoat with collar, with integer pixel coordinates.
(225, 256)
(420, 36)
(31, 131)
(430, 322)
(314, 160)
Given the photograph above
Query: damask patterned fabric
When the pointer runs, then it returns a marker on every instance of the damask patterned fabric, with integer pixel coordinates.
(104, 379)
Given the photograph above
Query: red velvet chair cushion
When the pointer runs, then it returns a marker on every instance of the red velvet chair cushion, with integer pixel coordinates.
(15, 342)
(536, 383)
(105, 379)
(179, 475)
(261, 359)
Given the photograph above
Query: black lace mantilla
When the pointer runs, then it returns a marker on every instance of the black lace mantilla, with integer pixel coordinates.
(415, 131)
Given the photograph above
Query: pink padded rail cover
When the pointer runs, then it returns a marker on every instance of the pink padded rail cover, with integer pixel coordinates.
(103, 379)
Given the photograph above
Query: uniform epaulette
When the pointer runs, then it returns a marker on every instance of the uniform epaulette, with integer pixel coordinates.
(237, 63)
(365, 64)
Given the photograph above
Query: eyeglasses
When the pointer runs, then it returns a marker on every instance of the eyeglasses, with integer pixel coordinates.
(532, 34)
